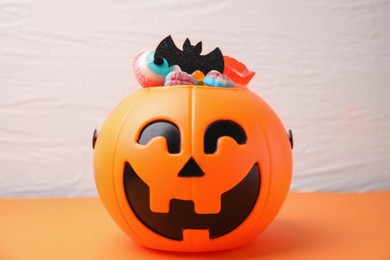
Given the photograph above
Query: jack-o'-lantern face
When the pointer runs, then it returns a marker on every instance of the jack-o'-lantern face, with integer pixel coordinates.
(193, 168)
(177, 201)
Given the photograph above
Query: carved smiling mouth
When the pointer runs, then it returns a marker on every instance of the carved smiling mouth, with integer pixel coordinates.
(236, 204)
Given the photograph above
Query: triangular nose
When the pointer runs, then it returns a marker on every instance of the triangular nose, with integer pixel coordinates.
(191, 169)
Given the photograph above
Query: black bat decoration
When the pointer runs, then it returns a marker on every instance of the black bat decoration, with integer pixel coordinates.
(189, 59)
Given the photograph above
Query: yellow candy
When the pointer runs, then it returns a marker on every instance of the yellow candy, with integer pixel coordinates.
(198, 75)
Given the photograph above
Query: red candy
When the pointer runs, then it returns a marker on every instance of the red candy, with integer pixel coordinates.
(237, 71)
(175, 78)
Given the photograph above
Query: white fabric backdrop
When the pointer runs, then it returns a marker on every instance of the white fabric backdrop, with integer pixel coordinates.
(324, 66)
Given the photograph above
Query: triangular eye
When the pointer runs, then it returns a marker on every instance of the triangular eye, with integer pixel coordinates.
(222, 128)
(165, 129)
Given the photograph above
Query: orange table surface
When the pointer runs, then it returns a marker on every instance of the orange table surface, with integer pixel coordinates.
(309, 226)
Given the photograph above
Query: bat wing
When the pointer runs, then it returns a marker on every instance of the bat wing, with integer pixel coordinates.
(212, 61)
(168, 50)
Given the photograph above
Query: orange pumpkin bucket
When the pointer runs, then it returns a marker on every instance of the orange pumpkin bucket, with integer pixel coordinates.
(192, 167)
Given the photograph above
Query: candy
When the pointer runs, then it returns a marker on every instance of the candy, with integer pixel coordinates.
(199, 76)
(237, 71)
(148, 71)
(179, 77)
(217, 79)
(154, 68)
